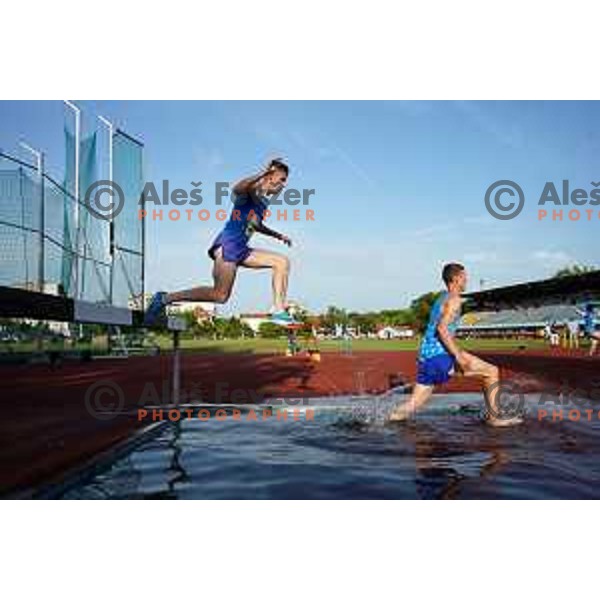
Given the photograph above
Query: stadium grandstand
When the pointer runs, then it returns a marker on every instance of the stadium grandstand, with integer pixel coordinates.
(528, 309)
(526, 322)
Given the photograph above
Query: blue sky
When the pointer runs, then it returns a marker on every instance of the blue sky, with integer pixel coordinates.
(399, 187)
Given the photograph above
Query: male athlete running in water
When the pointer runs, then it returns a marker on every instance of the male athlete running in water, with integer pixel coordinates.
(230, 249)
(439, 354)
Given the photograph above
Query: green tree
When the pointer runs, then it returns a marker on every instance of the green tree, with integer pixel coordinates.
(233, 328)
(396, 316)
(190, 320)
(364, 322)
(574, 269)
(206, 329)
(220, 328)
(247, 331)
(421, 307)
(335, 316)
(271, 330)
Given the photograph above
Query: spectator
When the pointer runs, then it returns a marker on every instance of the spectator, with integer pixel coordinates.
(551, 335)
(573, 329)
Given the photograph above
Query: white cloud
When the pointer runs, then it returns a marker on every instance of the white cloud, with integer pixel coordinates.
(553, 256)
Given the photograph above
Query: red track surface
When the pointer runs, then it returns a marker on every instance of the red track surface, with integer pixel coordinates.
(47, 428)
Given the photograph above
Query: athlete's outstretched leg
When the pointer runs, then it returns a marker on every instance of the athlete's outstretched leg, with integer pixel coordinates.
(224, 273)
(420, 395)
(280, 264)
(224, 277)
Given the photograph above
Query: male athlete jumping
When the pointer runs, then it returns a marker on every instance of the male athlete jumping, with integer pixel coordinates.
(230, 249)
(439, 354)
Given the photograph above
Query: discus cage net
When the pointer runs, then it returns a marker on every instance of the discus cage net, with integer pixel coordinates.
(50, 241)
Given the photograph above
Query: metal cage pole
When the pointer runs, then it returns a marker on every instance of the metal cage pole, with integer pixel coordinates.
(176, 369)
(77, 112)
(143, 268)
(111, 224)
(40, 160)
(42, 259)
(22, 201)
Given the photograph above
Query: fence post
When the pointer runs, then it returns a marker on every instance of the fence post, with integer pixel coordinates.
(42, 250)
(176, 369)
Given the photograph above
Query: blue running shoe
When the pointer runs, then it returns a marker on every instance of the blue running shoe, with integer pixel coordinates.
(156, 310)
(283, 318)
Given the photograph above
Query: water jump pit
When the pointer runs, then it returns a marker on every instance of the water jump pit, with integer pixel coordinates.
(347, 450)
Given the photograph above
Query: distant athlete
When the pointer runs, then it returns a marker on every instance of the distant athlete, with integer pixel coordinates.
(231, 248)
(589, 326)
(439, 354)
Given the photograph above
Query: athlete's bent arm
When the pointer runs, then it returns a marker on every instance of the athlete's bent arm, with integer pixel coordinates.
(260, 228)
(248, 185)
